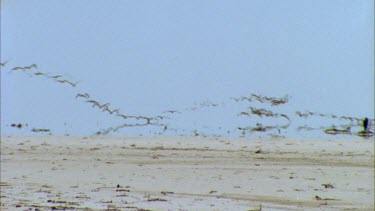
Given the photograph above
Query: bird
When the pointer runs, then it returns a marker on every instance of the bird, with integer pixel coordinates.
(3, 64)
(111, 112)
(115, 111)
(161, 117)
(56, 76)
(246, 98)
(69, 82)
(39, 73)
(104, 106)
(85, 95)
(17, 68)
(243, 113)
(148, 119)
(122, 115)
(171, 111)
(95, 103)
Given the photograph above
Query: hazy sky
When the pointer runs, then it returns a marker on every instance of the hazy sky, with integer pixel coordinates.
(145, 57)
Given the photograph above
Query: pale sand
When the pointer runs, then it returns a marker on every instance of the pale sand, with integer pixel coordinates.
(181, 173)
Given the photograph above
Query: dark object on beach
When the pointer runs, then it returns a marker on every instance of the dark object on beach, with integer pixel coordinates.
(328, 185)
(365, 124)
(258, 151)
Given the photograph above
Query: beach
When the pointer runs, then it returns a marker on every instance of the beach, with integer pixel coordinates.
(186, 173)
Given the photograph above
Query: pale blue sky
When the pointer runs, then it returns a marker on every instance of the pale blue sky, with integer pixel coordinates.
(145, 57)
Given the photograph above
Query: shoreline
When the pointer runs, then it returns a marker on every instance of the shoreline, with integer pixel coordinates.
(186, 173)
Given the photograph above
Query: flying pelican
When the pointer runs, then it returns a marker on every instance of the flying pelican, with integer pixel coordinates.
(104, 106)
(95, 103)
(123, 116)
(39, 73)
(66, 81)
(111, 112)
(87, 96)
(246, 98)
(73, 84)
(235, 99)
(17, 68)
(161, 117)
(172, 111)
(56, 76)
(3, 64)
(116, 111)
(243, 113)
(148, 119)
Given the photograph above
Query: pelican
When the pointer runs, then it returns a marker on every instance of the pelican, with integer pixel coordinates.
(243, 113)
(246, 98)
(104, 106)
(161, 117)
(95, 103)
(123, 116)
(87, 96)
(56, 76)
(115, 111)
(3, 64)
(171, 111)
(111, 112)
(73, 84)
(66, 81)
(17, 68)
(148, 119)
(39, 73)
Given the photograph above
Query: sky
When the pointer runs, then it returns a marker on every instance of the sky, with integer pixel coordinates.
(146, 57)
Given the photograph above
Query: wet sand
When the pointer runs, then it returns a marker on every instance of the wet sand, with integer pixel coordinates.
(186, 173)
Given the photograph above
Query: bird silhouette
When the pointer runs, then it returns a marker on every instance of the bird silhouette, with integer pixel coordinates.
(3, 64)
(104, 106)
(122, 115)
(172, 111)
(24, 67)
(94, 103)
(55, 76)
(69, 82)
(85, 95)
(39, 73)
(112, 111)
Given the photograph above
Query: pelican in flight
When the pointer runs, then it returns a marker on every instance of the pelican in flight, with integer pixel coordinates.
(104, 106)
(39, 73)
(85, 95)
(123, 116)
(95, 103)
(113, 111)
(56, 76)
(69, 82)
(3, 64)
(172, 111)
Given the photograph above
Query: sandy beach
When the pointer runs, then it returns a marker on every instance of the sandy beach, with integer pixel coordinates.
(186, 173)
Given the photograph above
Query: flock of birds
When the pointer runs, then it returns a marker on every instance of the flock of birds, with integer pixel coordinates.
(159, 120)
